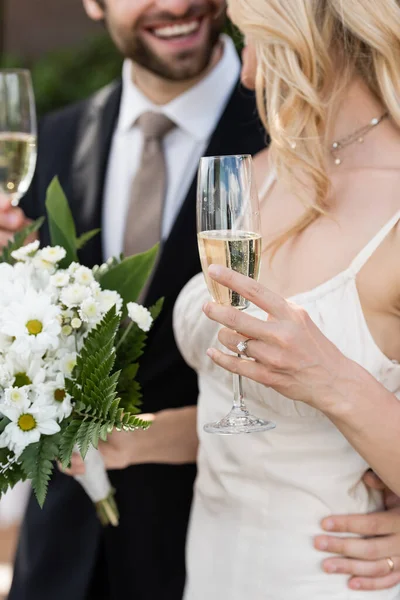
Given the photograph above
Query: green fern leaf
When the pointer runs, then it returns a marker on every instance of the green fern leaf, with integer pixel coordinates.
(84, 437)
(10, 471)
(37, 462)
(68, 442)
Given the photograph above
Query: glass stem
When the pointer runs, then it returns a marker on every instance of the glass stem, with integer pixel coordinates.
(238, 397)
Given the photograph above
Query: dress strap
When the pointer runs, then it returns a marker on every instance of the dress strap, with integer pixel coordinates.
(368, 250)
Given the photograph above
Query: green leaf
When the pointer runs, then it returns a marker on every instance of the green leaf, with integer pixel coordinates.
(68, 441)
(85, 238)
(129, 276)
(61, 222)
(19, 240)
(38, 463)
(10, 471)
(156, 309)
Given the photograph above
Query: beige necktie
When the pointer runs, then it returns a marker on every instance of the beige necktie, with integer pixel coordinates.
(144, 217)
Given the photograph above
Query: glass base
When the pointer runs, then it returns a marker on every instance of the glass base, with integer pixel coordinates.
(239, 421)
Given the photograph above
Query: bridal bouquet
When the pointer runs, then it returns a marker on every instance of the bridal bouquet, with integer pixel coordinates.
(70, 339)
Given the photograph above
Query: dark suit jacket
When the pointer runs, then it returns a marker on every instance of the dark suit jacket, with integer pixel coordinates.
(63, 552)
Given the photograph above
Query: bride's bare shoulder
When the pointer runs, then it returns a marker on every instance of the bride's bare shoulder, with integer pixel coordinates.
(262, 167)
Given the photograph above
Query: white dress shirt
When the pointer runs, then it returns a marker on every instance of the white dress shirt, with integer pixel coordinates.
(196, 114)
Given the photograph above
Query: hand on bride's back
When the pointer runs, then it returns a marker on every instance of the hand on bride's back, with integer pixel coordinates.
(368, 549)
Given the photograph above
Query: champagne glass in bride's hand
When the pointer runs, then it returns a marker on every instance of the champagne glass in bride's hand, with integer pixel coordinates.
(17, 133)
(228, 225)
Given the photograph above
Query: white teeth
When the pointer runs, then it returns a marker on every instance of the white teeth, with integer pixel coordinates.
(177, 30)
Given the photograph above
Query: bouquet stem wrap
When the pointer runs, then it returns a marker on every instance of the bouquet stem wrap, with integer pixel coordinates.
(96, 484)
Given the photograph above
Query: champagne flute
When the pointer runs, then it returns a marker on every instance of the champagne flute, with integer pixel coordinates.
(17, 133)
(228, 226)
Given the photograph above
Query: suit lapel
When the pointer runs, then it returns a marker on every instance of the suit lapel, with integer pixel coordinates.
(238, 131)
(90, 164)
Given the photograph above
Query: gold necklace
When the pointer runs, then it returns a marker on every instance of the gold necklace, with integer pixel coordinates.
(356, 136)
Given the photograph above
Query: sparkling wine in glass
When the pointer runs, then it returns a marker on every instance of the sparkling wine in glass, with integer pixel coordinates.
(17, 133)
(228, 225)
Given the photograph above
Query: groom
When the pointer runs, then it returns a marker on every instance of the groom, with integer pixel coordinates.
(127, 160)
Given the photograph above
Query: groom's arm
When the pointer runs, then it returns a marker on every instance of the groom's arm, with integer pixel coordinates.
(372, 560)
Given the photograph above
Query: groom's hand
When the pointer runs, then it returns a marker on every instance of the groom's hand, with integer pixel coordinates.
(372, 560)
(11, 220)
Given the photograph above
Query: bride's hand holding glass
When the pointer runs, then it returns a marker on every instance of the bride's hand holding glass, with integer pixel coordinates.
(289, 352)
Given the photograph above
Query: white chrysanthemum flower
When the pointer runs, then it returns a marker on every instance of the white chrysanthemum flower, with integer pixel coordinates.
(74, 295)
(33, 322)
(60, 279)
(5, 343)
(53, 393)
(52, 254)
(90, 311)
(25, 370)
(83, 276)
(43, 265)
(6, 379)
(26, 252)
(73, 267)
(68, 363)
(28, 423)
(107, 299)
(15, 396)
(140, 315)
(6, 273)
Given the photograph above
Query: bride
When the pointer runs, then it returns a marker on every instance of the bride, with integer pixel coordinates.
(327, 74)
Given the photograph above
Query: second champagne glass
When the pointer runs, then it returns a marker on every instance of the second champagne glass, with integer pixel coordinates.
(228, 225)
(17, 133)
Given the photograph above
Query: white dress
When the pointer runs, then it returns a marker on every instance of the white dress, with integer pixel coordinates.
(259, 498)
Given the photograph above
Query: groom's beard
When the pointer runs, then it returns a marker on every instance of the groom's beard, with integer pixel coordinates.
(185, 65)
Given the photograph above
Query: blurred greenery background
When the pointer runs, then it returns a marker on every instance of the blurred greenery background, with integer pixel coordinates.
(64, 76)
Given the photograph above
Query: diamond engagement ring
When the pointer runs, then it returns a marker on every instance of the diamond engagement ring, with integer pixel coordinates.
(242, 346)
(390, 564)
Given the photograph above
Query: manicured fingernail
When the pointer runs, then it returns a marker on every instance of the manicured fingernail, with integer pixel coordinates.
(214, 270)
(328, 524)
(211, 352)
(322, 544)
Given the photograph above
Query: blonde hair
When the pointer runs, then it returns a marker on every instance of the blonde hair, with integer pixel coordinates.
(307, 52)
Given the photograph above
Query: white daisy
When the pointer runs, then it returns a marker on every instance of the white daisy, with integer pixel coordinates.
(140, 315)
(52, 254)
(25, 370)
(15, 396)
(67, 363)
(26, 252)
(109, 298)
(59, 279)
(53, 393)
(83, 276)
(28, 423)
(33, 322)
(90, 311)
(74, 295)
(73, 267)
